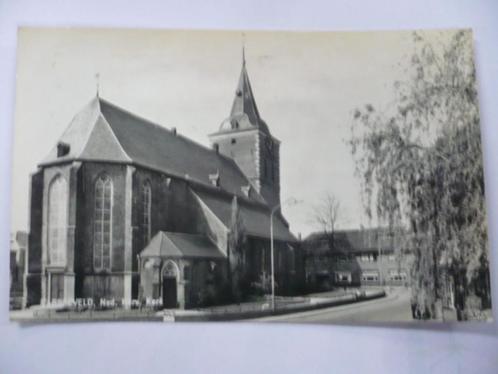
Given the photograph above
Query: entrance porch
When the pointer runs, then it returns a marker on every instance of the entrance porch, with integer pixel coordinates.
(176, 268)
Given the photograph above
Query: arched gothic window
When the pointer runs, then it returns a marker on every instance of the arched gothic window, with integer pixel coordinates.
(57, 221)
(146, 206)
(102, 226)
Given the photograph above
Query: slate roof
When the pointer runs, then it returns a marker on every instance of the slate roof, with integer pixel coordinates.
(256, 217)
(180, 245)
(104, 132)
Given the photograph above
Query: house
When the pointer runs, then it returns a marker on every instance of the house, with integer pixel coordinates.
(359, 257)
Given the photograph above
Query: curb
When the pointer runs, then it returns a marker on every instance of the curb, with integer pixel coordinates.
(318, 303)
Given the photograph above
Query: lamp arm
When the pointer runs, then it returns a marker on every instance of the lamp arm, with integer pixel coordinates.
(274, 209)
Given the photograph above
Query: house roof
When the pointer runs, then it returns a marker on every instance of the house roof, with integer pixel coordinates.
(361, 240)
(255, 217)
(180, 245)
(104, 132)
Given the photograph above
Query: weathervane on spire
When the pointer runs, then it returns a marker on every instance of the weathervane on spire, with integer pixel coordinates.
(243, 49)
(97, 82)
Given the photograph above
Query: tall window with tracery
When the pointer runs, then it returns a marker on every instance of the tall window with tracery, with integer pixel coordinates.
(102, 224)
(57, 221)
(146, 206)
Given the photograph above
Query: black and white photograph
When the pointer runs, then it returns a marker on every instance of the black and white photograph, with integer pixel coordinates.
(264, 176)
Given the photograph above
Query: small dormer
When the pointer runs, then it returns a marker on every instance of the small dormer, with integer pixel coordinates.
(246, 190)
(63, 149)
(215, 179)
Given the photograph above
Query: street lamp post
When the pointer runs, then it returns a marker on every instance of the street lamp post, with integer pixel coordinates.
(272, 258)
(290, 201)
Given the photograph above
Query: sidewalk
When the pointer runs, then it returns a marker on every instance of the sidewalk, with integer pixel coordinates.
(43, 315)
(283, 305)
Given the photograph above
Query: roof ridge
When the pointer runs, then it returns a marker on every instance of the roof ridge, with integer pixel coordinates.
(107, 102)
(161, 127)
(182, 233)
(263, 205)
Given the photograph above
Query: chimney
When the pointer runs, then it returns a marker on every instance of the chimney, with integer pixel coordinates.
(173, 130)
(216, 147)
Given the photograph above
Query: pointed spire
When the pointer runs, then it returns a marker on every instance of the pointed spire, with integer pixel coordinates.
(244, 102)
(244, 113)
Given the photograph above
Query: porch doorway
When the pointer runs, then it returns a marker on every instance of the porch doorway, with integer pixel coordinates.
(169, 285)
(169, 292)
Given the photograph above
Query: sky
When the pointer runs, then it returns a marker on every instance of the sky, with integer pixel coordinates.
(306, 87)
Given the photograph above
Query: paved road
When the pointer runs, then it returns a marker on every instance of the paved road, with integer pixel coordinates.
(395, 307)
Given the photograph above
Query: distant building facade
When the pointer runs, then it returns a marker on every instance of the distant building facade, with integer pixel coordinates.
(366, 257)
(18, 251)
(125, 209)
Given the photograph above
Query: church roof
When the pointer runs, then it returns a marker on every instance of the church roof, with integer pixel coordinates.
(255, 217)
(180, 245)
(104, 132)
(244, 114)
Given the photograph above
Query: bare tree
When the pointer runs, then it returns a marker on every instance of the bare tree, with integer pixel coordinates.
(325, 216)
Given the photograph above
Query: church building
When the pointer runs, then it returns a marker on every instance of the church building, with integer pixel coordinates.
(125, 209)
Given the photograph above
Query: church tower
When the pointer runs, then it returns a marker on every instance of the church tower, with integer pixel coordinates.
(245, 138)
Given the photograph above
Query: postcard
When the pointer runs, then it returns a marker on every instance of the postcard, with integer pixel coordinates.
(325, 177)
